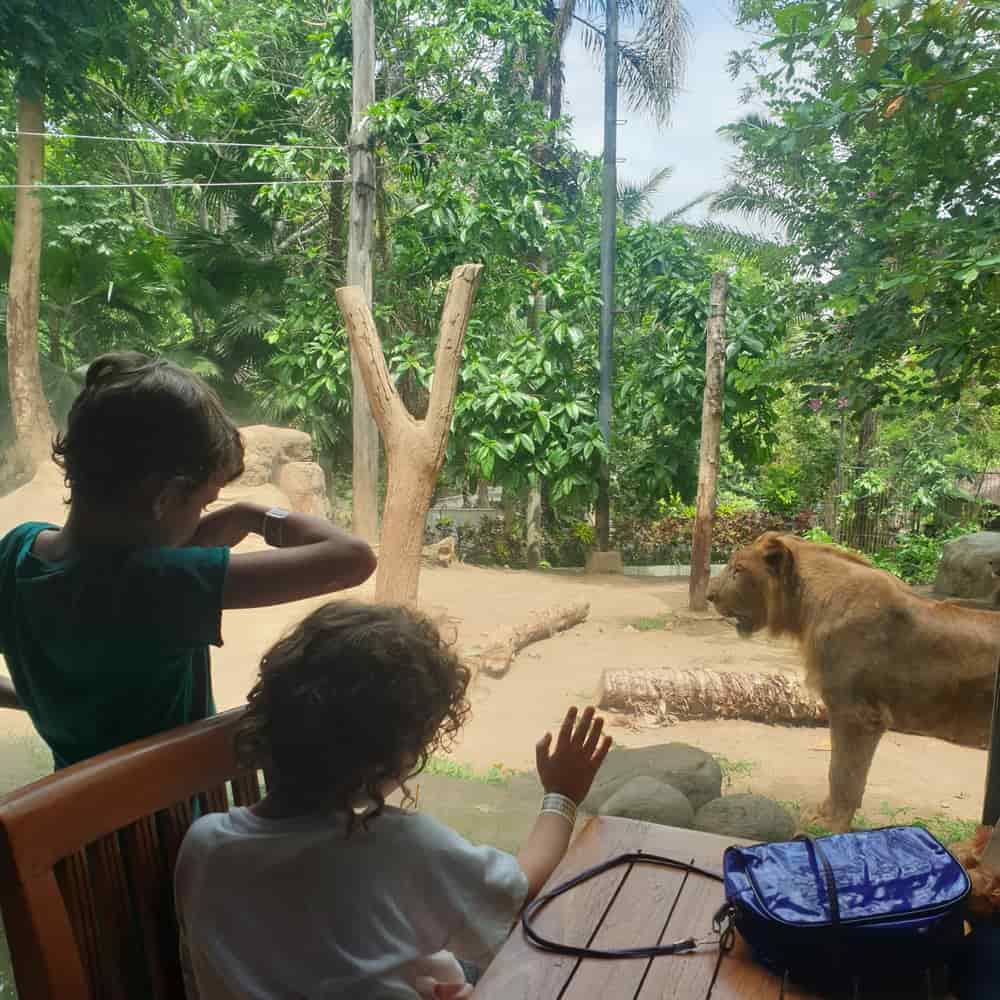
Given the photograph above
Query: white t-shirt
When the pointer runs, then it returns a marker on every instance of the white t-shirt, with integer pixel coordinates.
(294, 908)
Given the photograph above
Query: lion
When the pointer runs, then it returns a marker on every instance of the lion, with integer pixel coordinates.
(878, 654)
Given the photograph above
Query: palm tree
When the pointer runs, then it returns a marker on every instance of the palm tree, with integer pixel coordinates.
(651, 64)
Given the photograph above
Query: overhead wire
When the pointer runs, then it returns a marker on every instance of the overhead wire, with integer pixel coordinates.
(84, 186)
(162, 141)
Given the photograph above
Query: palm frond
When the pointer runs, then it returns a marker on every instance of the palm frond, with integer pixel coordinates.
(650, 67)
(675, 214)
(715, 237)
(635, 199)
(759, 205)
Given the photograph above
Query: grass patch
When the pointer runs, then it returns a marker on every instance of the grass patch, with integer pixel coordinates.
(654, 623)
(734, 768)
(947, 829)
(497, 774)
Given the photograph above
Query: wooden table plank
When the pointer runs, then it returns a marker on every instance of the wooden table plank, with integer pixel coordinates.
(635, 919)
(523, 972)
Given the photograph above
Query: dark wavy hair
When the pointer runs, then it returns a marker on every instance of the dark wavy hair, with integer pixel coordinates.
(354, 695)
(139, 418)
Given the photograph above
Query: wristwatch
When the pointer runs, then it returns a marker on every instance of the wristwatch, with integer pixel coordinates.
(274, 526)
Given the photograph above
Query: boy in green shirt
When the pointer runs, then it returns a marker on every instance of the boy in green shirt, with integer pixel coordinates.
(105, 623)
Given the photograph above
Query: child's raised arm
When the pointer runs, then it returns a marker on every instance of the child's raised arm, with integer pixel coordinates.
(315, 557)
(568, 770)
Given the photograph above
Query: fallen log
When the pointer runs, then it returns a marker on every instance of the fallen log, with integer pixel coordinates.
(670, 695)
(498, 650)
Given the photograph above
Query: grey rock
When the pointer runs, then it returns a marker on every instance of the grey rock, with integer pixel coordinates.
(752, 817)
(965, 570)
(652, 801)
(691, 771)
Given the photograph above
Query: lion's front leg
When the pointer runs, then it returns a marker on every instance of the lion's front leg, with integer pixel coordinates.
(853, 738)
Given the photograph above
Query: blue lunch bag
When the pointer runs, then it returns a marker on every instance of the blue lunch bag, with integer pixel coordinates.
(871, 905)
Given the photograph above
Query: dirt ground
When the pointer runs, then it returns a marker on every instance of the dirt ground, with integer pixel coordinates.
(926, 776)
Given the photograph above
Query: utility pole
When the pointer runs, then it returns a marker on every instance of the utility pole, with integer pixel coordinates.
(609, 221)
(364, 515)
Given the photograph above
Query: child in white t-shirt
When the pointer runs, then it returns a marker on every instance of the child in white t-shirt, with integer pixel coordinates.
(321, 890)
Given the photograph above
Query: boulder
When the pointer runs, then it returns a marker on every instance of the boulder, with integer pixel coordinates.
(440, 553)
(304, 483)
(269, 448)
(650, 800)
(965, 570)
(694, 773)
(751, 817)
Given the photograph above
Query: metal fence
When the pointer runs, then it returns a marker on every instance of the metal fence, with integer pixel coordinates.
(870, 516)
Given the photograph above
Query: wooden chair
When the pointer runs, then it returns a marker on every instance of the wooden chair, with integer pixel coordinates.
(87, 858)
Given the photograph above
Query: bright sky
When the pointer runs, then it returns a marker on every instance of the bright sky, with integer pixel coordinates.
(689, 142)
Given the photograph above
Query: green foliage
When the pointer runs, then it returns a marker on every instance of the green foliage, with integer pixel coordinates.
(915, 557)
(877, 153)
(667, 540)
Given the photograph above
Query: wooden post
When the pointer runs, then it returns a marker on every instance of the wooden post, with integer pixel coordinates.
(991, 800)
(711, 430)
(364, 517)
(414, 448)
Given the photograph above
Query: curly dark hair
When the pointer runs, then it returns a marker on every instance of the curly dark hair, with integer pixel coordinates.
(354, 695)
(139, 417)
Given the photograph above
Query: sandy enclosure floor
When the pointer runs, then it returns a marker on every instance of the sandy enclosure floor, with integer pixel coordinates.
(509, 714)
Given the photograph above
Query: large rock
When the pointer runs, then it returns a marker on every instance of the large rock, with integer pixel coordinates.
(304, 483)
(965, 570)
(691, 771)
(650, 800)
(267, 449)
(751, 817)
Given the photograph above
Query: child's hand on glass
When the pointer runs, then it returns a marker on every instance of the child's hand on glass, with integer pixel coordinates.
(569, 767)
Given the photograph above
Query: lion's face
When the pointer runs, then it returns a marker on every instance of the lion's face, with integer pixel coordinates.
(740, 592)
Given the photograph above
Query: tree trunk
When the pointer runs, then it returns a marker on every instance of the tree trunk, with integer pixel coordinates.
(670, 695)
(711, 432)
(533, 508)
(483, 493)
(359, 265)
(863, 524)
(33, 426)
(415, 449)
(498, 650)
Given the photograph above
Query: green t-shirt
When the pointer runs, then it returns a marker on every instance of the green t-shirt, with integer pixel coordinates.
(111, 645)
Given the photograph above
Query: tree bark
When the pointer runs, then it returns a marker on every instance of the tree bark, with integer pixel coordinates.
(711, 432)
(415, 449)
(33, 426)
(359, 266)
(670, 695)
(533, 508)
(863, 525)
(499, 648)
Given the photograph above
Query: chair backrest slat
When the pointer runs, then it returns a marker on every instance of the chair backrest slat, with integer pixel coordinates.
(87, 858)
(73, 876)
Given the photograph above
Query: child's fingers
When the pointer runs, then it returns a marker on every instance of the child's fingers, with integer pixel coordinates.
(602, 752)
(594, 736)
(566, 729)
(542, 751)
(583, 726)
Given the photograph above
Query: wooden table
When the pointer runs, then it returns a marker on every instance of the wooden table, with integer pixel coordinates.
(631, 908)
